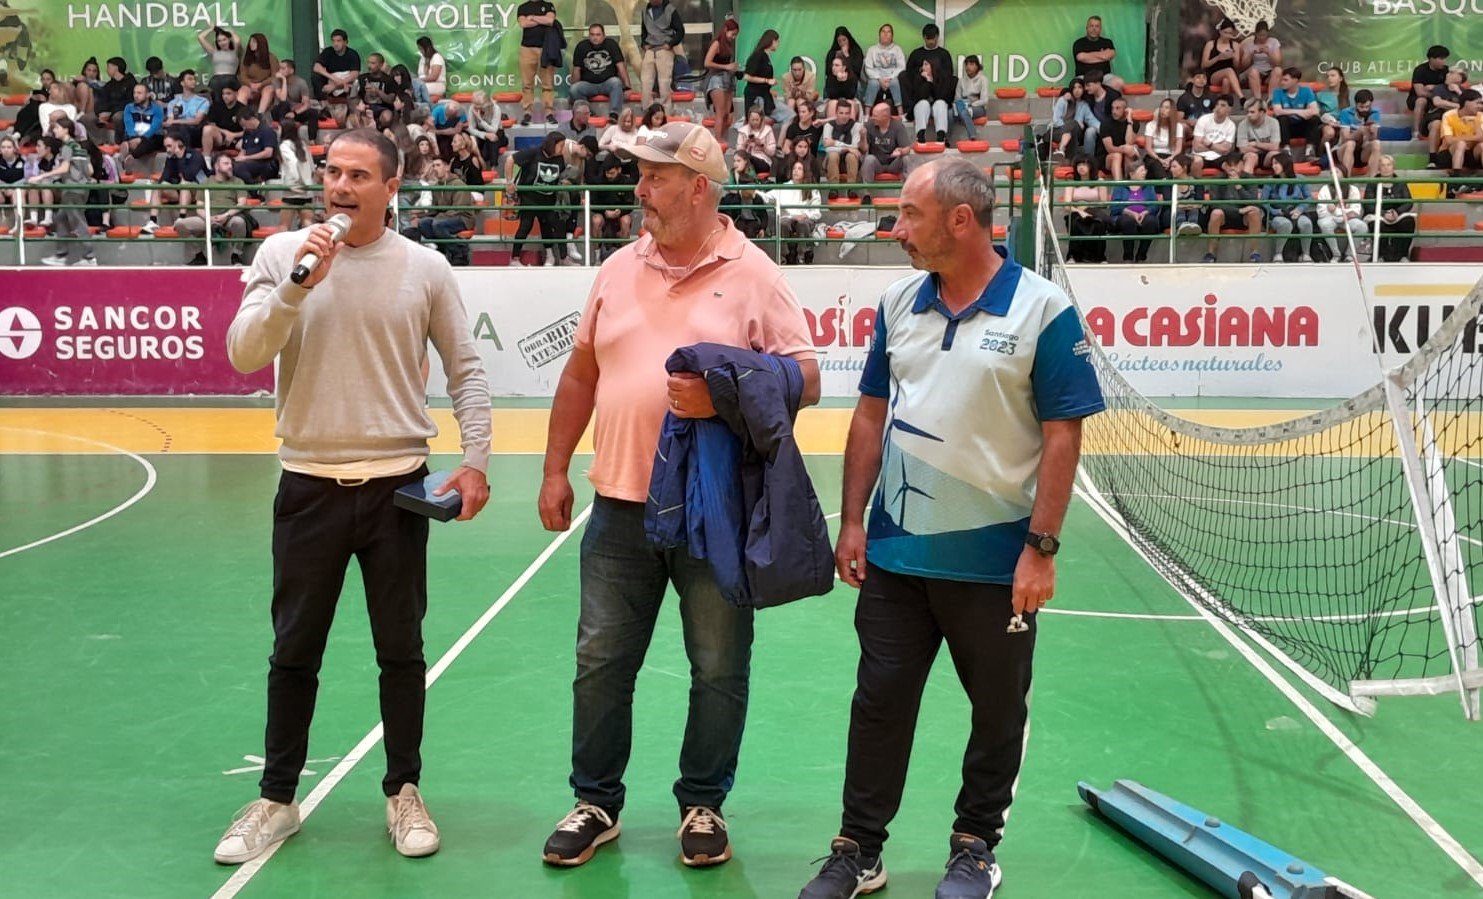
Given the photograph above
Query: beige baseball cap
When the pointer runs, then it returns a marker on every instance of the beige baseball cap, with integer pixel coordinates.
(681, 143)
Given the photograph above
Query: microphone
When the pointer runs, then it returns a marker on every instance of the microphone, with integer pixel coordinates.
(339, 227)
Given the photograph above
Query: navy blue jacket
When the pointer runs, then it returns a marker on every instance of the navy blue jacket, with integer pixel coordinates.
(733, 489)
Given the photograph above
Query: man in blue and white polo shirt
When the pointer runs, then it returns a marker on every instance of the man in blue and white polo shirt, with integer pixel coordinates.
(969, 429)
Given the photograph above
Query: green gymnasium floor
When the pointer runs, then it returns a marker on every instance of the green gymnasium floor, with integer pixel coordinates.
(134, 683)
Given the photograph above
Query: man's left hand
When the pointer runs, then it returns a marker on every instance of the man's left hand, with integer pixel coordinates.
(1034, 581)
(472, 487)
(690, 396)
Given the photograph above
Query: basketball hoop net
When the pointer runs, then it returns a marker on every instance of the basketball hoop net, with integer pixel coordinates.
(1246, 13)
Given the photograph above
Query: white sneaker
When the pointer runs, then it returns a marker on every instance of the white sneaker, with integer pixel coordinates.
(1188, 229)
(56, 259)
(1306, 258)
(149, 228)
(516, 263)
(412, 830)
(257, 826)
(91, 261)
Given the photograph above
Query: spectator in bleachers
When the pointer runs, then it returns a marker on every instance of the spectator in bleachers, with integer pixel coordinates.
(39, 163)
(842, 87)
(653, 118)
(448, 119)
(931, 49)
(1220, 57)
(1072, 122)
(1397, 214)
(12, 171)
(296, 172)
(294, 98)
(612, 210)
(256, 73)
(932, 89)
(85, 86)
(466, 164)
(432, 70)
(231, 218)
(487, 128)
(1094, 53)
(113, 96)
(1333, 98)
(224, 51)
(756, 139)
(1258, 137)
(598, 68)
(412, 87)
(73, 167)
(972, 97)
(1334, 213)
(1099, 97)
(845, 47)
(1215, 135)
(532, 176)
(843, 145)
(798, 85)
(536, 18)
(580, 124)
(1163, 139)
(440, 223)
(1444, 98)
(802, 129)
(1234, 198)
(1462, 133)
(1119, 150)
(799, 210)
(143, 126)
(362, 115)
(801, 153)
(1261, 60)
(1424, 79)
(622, 133)
(884, 64)
(1295, 107)
(1289, 209)
(720, 76)
(186, 112)
(887, 144)
(1195, 102)
(407, 150)
(161, 85)
(374, 87)
(427, 149)
(747, 209)
(661, 36)
(223, 129)
(258, 161)
(1186, 221)
(1135, 212)
(760, 79)
(335, 71)
(1087, 213)
(58, 103)
(184, 166)
(28, 117)
(1359, 131)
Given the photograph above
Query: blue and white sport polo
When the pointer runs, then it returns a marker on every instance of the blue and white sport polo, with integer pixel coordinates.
(962, 442)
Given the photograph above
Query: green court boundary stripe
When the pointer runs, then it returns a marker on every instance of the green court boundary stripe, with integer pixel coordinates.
(1423, 819)
(247, 871)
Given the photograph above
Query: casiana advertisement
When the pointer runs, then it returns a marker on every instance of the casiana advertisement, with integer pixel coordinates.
(1373, 42)
(61, 34)
(1025, 43)
(95, 332)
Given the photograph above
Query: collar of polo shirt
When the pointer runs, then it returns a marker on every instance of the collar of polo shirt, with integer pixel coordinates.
(995, 299)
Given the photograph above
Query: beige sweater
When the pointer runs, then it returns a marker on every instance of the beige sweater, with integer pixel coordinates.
(350, 351)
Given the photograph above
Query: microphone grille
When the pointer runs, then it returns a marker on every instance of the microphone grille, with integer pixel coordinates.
(341, 223)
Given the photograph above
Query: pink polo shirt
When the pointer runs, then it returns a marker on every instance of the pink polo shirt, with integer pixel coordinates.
(636, 316)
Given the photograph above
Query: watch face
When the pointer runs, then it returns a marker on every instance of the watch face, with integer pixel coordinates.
(1047, 544)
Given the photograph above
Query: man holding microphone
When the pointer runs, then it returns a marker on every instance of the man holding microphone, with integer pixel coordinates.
(349, 323)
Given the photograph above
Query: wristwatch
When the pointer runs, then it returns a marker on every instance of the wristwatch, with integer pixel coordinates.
(1045, 544)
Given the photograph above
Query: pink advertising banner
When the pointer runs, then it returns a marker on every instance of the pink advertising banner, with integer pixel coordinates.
(120, 332)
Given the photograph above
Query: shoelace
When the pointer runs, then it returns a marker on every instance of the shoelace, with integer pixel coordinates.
(837, 859)
(701, 820)
(249, 817)
(412, 815)
(577, 818)
(966, 862)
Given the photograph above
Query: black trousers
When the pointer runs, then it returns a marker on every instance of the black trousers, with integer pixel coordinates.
(901, 622)
(318, 525)
(552, 230)
(1130, 227)
(1393, 248)
(1310, 130)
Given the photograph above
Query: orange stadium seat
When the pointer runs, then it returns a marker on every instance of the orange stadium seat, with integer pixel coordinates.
(1137, 90)
(1049, 92)
(267, 231)
(887, 176)
(981, 120)
(464, 97)
(930, 146)
(973, 146)
(1015, 118)
(682, 96)
(886, 201)
(1009, 146)
(1142, 115)
(507, 97)
(1009, 93)
(1442, 221)
(1402, 86)
(632, 96)
(599, 121)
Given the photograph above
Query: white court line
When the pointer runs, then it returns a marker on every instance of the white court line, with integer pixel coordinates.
(149, 481)
(245, 873)
(1429, 825)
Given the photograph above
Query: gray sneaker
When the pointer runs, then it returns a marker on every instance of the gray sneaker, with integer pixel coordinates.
(256, 827)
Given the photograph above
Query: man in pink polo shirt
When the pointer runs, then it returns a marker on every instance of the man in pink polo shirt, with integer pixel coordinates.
(692, 278)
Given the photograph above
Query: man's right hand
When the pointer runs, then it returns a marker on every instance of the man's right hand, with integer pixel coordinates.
(849, 555)
(555, 502)
(322, 244)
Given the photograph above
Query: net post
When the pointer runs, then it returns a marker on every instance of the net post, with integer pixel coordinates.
(1024, 246)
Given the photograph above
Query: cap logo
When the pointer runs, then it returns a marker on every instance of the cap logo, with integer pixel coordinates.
(697, 154)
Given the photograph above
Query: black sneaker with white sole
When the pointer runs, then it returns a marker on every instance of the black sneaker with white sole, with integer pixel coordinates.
(703, 839)
(972, 872)
(846, 874)
(577, 837)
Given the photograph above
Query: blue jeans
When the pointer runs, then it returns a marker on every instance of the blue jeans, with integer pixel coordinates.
(586, 90)
(873, 91)
(966, 114)
(623, 585)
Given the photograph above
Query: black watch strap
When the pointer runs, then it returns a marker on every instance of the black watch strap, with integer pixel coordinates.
(1045, 544)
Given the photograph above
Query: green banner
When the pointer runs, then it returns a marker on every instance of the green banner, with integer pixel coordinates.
(1023, 43)
(61, 34)
(1373, 42)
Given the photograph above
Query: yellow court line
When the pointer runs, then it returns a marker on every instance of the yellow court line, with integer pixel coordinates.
(1423, 290)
